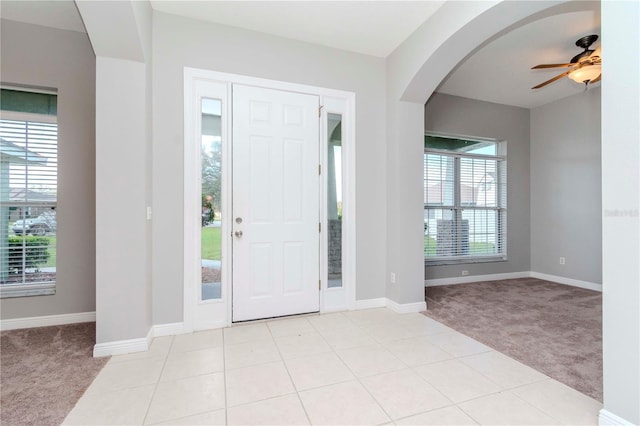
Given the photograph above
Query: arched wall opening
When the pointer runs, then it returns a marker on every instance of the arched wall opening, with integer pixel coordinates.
(416, 69)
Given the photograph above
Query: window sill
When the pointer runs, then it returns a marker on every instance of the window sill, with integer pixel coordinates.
(26, 290)
(467, 260)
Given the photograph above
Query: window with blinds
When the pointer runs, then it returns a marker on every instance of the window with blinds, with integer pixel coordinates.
(465, 200)
(28, 194)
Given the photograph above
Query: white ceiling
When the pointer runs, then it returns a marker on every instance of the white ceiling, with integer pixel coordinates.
(370, 27)
(498, 72)
(501, 71)
(61, 14)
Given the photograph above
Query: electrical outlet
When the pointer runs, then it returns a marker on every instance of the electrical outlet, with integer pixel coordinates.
(562, 260)
(393, 278)
(465, 273)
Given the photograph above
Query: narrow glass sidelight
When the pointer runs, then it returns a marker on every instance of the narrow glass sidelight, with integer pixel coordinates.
(211, 199)
(334, 200)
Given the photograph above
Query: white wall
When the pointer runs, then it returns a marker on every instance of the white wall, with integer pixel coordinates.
(469, 117)
(123, 144)
(180, 42)
(566, 190)
(621, 207)
(38, 56)
(121, 278)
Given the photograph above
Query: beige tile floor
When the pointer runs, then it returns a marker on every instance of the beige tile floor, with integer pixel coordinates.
(362, 367)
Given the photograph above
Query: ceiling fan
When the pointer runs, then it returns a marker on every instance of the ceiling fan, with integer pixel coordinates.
(585, 67)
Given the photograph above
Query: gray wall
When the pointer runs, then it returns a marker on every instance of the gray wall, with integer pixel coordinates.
(566, 193)
(469, 117)
(39, 56)
(180, 42)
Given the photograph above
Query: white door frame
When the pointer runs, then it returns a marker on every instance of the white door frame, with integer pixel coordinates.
(198, 84)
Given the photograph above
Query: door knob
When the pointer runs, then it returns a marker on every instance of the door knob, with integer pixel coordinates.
(238, 234)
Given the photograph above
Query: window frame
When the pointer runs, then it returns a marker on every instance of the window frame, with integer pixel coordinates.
(36, 288)
(458, 207)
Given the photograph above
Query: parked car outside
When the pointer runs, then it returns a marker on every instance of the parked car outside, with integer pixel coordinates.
(21, 226)
(41, 225)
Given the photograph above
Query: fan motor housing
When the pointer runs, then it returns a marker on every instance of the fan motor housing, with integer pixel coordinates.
(584, 43)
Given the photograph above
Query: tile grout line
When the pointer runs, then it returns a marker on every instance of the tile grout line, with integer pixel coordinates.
(533, 405)
(502, 388)
(452, 403)
(391, 419)
(224, 375)
(192, 376)
(289, 374)
(155, 387)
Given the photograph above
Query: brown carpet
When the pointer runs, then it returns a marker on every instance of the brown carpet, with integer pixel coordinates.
(44, 371)
(554, 328)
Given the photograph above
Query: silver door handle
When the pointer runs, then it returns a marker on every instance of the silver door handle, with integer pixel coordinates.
(238, 234)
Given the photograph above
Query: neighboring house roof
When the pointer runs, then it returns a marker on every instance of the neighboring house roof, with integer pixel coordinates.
(435, 194)
(21, 194)
(469, 194)
(12, 153)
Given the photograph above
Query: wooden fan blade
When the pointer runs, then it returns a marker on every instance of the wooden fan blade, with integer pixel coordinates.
(595, 80)
(537, 67)
(557, 77)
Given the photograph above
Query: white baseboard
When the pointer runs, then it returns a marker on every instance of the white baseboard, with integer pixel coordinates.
(120, 347)
(334, 309)
(141, 344)
(567, 281)
(607, 418)
(510, 276)
(383, 302)
(380, 302)
(476, 278)
(47, 320)
(406, 308)
(168, 329)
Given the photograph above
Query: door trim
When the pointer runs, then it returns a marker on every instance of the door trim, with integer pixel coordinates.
(219, 311)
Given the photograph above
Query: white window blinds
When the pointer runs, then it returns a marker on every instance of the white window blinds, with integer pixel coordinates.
(464, 206)
(28, 200)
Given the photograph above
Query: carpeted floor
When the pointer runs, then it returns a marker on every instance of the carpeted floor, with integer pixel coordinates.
(44, 371)
(554, 328)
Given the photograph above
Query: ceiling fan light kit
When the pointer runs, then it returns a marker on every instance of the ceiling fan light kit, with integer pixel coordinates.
(586, 67)
(586, 73)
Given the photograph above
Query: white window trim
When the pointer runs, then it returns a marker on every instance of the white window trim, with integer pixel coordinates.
(339, 101)
(31, 289)
(500, 156)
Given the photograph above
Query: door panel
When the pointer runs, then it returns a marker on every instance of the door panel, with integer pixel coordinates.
(275, 203)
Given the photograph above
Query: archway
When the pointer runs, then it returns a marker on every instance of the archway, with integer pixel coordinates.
(414, 71)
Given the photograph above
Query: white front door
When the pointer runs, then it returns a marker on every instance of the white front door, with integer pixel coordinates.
(275, 203)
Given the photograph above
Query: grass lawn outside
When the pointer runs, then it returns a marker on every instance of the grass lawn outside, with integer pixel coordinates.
(211, 243)
(51, 262)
